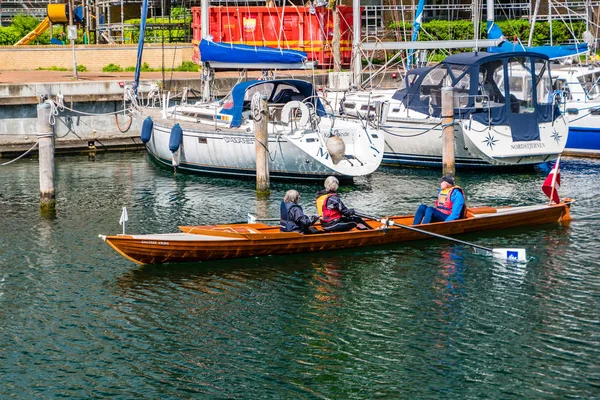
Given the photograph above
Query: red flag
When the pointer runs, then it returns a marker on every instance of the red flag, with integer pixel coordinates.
(552, 183)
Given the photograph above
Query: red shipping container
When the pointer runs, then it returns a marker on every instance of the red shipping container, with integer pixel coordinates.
(261, 26)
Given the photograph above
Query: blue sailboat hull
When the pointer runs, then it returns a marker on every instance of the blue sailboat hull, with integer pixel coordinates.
(583, 141)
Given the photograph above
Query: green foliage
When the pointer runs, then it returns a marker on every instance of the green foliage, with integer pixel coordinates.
(8, 36)
(81, 68)
(52, 68)
(24, 24)
(159, 35)
(179, 13)
(463, 30)
(188, 66)
(129, 69)
(112, 68)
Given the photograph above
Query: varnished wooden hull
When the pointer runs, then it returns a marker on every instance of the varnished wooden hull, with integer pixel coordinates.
(202, 243)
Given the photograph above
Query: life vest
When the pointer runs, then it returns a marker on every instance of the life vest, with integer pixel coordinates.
(444, 200)
(326, 214)
(285, 224)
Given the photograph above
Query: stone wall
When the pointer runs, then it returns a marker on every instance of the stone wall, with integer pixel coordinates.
(93, 57)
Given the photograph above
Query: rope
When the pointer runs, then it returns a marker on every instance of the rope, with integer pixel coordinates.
(255, 107)
(416, 134)
(21, 156)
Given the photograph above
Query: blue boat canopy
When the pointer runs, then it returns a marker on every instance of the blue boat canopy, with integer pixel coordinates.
(229, 55)
(513, 88)
(553, 52)
(279, 91)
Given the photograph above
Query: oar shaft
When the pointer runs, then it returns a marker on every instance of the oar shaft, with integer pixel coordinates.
(410, 228)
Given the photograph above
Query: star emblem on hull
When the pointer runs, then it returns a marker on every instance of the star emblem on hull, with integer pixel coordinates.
(556, 136)
(490, 141)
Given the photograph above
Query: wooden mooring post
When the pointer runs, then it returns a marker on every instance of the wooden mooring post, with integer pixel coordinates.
(46, 157)
(261, 134)
(448, 146)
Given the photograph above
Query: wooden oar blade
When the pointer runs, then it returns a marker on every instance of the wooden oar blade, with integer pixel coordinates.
(518, 255)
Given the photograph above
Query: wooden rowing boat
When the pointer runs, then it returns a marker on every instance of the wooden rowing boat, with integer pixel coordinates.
(213, 242)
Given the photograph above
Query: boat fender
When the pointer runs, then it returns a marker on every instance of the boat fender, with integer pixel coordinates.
(288, 110)
(146, 130)
(336, 148)
(176, 138)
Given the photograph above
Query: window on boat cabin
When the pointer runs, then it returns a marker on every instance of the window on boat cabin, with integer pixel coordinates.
(461, 86)
(519, 85)
(543, 81)
(409, 80)
(491, 84)
(264, 89)
(431, 86)
(285, 93)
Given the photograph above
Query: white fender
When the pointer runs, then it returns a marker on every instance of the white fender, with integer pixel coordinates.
(291, 105)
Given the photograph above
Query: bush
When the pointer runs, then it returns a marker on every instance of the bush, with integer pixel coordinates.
(81, 68)
(512, 29)
(188, 66)
(112, 68)
(52, 68)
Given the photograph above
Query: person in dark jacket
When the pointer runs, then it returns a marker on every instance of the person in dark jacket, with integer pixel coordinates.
(449, 206)
(292, 217)
(335, 216)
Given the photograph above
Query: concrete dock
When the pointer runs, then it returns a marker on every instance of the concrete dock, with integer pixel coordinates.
(90, 118)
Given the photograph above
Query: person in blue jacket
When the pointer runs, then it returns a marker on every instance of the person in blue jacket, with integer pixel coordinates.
(449, 206)
(292, 217)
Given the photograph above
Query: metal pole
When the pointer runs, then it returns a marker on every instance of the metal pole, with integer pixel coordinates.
(448, 161)
(356, 38)
(335, 43)
(72, 37)
(46, 155)
(261, 145)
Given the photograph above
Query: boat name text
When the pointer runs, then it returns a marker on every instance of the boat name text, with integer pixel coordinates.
(234, 139)
(529, 146)
(153, 242)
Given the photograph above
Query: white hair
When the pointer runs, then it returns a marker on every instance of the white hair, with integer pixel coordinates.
(332, 183)
(291, 196)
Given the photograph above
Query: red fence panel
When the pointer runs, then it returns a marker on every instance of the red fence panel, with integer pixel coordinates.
(261, 26)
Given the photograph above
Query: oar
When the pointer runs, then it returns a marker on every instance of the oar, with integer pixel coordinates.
(252, 219)
(509, 254)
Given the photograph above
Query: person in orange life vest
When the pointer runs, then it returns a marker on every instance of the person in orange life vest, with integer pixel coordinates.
(292, 217)
(450, 204)
(335, 216)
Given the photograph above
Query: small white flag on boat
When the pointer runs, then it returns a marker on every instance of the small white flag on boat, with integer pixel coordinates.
(124, 217)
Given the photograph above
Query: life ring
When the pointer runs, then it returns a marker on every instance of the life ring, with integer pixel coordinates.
(287, 110)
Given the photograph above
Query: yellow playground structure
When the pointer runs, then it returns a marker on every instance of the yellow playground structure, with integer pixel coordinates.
(57, 14)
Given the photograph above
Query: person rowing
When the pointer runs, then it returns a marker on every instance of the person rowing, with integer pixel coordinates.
(335, 216)
(449, 206)
(292, 217)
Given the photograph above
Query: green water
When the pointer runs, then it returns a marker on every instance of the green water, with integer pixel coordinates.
(419, 320)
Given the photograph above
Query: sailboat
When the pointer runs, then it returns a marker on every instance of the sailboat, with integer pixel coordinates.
(216, 136)
(578, 83)
(495, 123)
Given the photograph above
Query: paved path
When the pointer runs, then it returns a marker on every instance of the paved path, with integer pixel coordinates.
(9, 77)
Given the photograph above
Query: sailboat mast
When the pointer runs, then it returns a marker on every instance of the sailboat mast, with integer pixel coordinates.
(416, 28)
(138, 65)
(533, 19)
(356, 41)
(204, 30)
(490, 16)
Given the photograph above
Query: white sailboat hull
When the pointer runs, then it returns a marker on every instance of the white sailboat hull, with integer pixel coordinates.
(302, 155)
